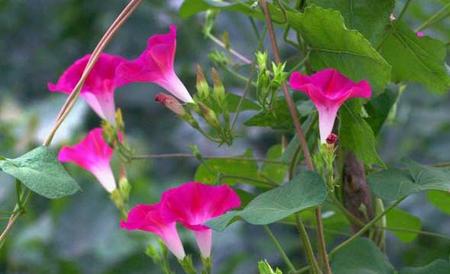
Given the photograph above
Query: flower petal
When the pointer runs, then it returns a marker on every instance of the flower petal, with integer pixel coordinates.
(92, 154)
(194, 203)
(204, 241)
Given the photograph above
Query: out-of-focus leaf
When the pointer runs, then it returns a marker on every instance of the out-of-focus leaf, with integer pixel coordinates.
(274, 171)
(304, 191)
(440, 199)
(393, 184)
(41, 172)
(367, 16)
(356, 135)
(361, 256)
(379, 108)
(211, 170)
(436, 267)
(333, 45)
(398, 219)
(416, 59)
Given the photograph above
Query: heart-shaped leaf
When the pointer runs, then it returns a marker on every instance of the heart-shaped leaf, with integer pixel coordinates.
(40, 171)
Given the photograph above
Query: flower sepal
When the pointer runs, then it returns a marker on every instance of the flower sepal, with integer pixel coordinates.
(188, 265)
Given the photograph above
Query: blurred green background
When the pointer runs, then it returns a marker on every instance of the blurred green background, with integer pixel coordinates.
(80, 234)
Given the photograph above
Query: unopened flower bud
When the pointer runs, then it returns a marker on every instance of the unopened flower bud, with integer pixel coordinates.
(332, 139)
(171, 103)
(209, 115)
(202, 85)
(219, 90)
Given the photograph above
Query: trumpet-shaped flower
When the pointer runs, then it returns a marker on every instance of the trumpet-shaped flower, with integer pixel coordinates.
(98, 89)
(193, 204)
(155, 65)
(328, 89)
(94, 155)
(149, 218)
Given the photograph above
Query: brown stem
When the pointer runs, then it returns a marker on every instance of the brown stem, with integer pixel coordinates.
(299, 133)
(70, 101)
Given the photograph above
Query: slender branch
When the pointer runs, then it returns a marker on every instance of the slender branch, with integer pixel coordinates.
(435, 17)
(70, 101)
(286, 259)
(299, 133)
(188, 155)
(366, 227)
(405, 7)
(307, 244)
(232, 51)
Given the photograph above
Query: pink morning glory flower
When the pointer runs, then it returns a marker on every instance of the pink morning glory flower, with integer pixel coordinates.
(94, 155)
(193, 204)
(98, 89)
(155, 65)
(328, 89)
(149, 218)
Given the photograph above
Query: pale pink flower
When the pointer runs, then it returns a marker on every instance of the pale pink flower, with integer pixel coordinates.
(420, 34)
(98, 89)
(149, 218)
(193, 204)
(94, 155)
(328, 89)
(155, 65)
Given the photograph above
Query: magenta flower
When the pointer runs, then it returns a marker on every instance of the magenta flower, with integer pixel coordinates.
(149, 218)
(94, 155)
(193, 204)
(98, 89)
(328, 89)
(155, 65)
(420, 34)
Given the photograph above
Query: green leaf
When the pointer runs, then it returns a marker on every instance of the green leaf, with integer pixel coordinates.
(379, 108)
(361, 256)
(393, 184)
(436, 267)
(278, 117)
(398, 219)
(265, 268)
(333, 45)
(274, 171)
(440, 199)
(40, 171)
(233, 101)
(367, 16)
(304, 191)
(192, 7)
(356, 135)
(210, 171)
(416, 59)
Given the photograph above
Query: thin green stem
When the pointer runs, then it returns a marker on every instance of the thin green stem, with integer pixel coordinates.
(189, 155)
(438, 16)
(266, 183)
(405, 7)
(236, 54)
(365, 228)
(421, 232)
(307, 245)
(286, 259)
